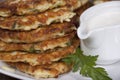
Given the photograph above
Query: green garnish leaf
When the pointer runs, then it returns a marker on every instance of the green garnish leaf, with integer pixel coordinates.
(86, 65)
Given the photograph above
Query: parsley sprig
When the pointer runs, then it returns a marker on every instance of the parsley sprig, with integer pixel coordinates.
(86, 65)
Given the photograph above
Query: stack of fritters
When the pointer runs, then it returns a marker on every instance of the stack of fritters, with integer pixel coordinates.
(36, 34)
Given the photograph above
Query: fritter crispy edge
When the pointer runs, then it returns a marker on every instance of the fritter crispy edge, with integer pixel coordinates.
(30, 22)
(24, 7)
(44, 71)
(39, 59)
(40, 46)
(37, 35)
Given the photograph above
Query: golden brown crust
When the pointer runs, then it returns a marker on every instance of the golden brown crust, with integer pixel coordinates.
(39, 58)
(45, 71)
(37, 35)
(95, 2)
(84, 6)
(34, 21)
(23, 7)
(40, 46)
(79, 11)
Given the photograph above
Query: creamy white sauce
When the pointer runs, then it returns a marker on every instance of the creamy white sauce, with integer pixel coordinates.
(104, 20)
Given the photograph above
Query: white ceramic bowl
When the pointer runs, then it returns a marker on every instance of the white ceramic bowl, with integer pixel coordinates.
(103, 41)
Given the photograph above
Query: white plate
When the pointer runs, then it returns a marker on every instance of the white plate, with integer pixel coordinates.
(113, 71)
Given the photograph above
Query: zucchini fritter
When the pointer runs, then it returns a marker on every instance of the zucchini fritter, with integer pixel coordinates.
(44, 71)
(37, 35)
(30, 22)
(85, 4)
(24, 7)
(40, 46)
(40, 58)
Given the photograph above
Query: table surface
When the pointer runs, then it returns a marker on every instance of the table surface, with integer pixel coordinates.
(4, 77)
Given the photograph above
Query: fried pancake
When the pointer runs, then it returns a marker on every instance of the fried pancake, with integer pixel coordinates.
(40, 46)
(34, 21)
(37, 35)
(100, 1)
(84, 1)
(73, 4)
(40, 58)
(23, 7)
(44, 71)
(85, 4)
